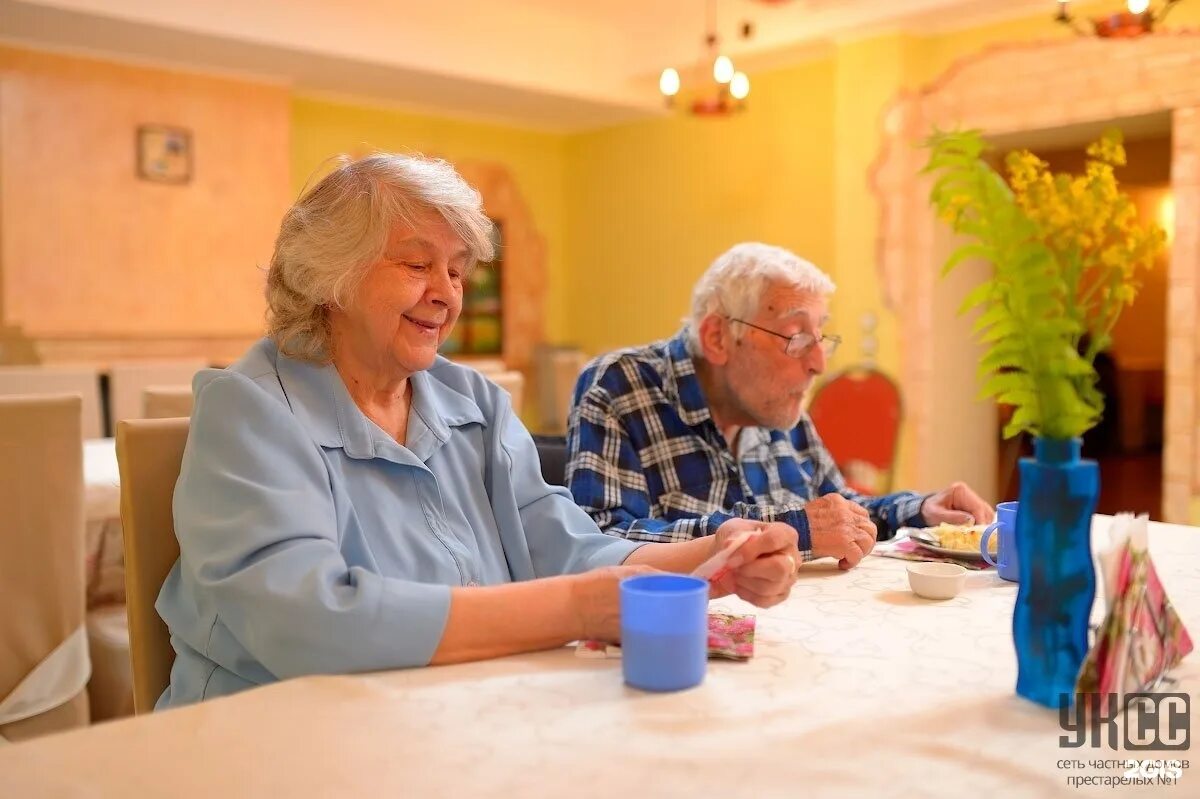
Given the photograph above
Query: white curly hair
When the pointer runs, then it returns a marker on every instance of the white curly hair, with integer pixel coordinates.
(736, 281)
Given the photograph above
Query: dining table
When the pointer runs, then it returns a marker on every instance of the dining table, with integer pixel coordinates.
(857, 687)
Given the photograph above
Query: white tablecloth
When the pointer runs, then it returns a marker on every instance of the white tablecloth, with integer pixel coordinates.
(858, 688)
(101, 479)
(102, 516)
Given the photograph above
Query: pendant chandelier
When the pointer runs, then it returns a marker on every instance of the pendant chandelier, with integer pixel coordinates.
(729, 87)
(1138, 18)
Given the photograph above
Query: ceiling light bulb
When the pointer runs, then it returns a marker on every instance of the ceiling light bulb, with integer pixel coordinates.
(668, 82)
(722, 69)
(739, 86)
(1137, 6)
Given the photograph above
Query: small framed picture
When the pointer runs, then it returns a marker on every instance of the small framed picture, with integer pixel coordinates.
(164, 153)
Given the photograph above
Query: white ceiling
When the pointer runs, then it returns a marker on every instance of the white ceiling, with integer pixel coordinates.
(551, 64)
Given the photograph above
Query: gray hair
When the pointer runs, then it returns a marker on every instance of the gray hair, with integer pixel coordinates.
(735, 283)
(340, 226)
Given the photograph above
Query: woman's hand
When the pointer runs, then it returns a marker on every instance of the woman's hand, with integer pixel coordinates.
(596, 599)
(763, 569)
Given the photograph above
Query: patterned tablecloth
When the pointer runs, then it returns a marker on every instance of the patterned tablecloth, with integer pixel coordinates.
(858, 688)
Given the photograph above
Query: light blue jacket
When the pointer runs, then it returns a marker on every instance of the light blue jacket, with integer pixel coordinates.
(311, 542)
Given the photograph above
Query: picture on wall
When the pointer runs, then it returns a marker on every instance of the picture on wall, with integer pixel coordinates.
(164, 153)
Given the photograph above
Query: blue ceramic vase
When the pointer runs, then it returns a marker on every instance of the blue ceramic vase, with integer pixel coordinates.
(1057, 580)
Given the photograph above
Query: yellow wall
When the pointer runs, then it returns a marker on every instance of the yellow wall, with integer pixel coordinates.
(537, 162)
(634, 213)
(869, 75)
(652, 203)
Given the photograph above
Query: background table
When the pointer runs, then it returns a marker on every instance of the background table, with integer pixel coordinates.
(858, 688)
(102, 518)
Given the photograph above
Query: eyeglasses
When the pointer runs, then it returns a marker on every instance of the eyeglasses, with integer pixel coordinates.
(799, 344)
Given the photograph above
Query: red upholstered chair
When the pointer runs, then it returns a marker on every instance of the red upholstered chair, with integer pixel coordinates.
(857, 413)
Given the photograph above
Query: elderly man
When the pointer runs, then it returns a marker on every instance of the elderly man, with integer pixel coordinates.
(669, 441)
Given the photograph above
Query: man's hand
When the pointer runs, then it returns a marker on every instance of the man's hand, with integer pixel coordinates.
(840, 529)
(956, 504)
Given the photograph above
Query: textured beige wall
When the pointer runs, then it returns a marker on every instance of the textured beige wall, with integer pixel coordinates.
(967, 427)
(88, 249)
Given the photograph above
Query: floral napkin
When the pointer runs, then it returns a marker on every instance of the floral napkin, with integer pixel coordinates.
(1142, 637)
(730, 636)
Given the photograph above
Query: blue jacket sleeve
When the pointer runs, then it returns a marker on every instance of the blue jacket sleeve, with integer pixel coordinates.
(258, 536)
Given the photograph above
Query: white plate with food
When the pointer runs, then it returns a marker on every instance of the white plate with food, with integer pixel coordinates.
(952, 540)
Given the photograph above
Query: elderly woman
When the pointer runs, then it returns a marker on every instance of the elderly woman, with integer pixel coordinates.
(349, 501)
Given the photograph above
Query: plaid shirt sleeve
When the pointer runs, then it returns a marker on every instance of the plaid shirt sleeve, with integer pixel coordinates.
(896, 510)
(607, 480)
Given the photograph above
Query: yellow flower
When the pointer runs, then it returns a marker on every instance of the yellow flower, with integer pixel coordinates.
(1108, 148)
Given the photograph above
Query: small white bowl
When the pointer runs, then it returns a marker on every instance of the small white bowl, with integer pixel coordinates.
(936, 580)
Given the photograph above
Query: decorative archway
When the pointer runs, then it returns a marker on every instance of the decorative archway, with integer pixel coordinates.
(1035, 87)
(523, 280)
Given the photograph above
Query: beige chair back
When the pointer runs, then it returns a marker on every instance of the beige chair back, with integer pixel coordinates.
(82, 380)
(487, 366)
(557, 369)
(42, 572)
(167, 402)
(149, 452)
(514, 384)
(127, 381)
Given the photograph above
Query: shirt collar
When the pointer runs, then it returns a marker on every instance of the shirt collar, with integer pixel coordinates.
(436, 408)
(321, 403)
(681, 383)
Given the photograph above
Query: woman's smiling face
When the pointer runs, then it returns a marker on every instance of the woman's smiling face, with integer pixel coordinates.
(409, 300)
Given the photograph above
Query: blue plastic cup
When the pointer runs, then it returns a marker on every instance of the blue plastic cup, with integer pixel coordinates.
(664, 631)
(1006, 547)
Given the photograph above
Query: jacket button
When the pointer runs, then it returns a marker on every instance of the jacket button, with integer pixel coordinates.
(472, 584)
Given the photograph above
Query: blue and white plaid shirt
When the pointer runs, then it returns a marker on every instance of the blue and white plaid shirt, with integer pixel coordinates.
(647, 461)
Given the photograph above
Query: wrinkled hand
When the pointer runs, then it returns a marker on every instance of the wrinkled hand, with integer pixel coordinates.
(840, 529)
(956, 504)
(596, 597)
(763, 569)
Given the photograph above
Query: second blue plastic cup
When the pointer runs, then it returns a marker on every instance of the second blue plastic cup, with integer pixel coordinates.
(1006, 549)
(664, 631)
